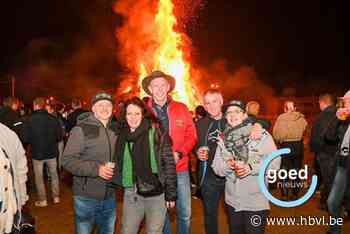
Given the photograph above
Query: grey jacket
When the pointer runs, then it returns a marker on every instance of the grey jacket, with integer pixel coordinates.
(243, 194)
(90, 144)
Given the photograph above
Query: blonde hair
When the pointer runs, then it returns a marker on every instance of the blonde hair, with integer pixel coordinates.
(253, 108)
(289, 106)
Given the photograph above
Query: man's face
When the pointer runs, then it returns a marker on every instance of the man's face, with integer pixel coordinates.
(212, 104)
(133, 116)
(234, 116)
(322, 104)
(103, 110)
(159, 88)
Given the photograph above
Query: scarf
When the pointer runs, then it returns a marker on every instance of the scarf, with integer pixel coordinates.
(236, 140)
(137, 149)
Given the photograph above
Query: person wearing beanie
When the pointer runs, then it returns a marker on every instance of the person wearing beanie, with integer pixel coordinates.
(238, 158)
(89, 157)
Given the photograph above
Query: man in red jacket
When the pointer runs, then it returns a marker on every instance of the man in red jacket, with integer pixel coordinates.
(177, 120)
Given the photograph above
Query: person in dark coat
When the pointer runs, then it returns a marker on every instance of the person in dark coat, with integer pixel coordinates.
(339, 132)
(10, 116)
(43, 132)
(144, 155)
(324, 149)
(72, 117)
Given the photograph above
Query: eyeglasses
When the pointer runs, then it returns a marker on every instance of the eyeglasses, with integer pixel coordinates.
(234, 112)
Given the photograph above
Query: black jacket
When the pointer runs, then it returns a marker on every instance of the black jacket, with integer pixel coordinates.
(73, 117)
(12, 120)
(165, 165)
(43, 132)
(318, 140)
(202, 126)
(335, 133)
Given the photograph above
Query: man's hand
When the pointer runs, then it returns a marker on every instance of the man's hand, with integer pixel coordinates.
(170, 204)
(343, 113)
(243, 170)
(202, 153)
(176, 157)
(105, 172)
(231, 163)
(256, 132)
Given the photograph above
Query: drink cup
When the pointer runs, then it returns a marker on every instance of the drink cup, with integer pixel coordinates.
(110, 164)
(205, 150)
(239, 164)
(343, 113)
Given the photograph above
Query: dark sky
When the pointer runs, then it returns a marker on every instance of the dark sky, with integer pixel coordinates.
(298, 39)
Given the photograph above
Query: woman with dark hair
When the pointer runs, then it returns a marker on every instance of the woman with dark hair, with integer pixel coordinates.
(145, 169)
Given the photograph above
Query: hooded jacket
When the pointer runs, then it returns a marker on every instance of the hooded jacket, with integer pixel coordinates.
(289, 127)
(90, 145)
(10, 182)
(243, 194)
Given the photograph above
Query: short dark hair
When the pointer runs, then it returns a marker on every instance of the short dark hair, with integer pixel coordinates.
(146, 112)
(200, 111)
(327, 98)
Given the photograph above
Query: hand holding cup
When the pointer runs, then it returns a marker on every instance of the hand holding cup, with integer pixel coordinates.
(203, 153)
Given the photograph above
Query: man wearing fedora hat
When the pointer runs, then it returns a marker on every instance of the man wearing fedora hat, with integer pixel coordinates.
(177, 120)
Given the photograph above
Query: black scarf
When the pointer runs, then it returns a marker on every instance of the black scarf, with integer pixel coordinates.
(140, 149)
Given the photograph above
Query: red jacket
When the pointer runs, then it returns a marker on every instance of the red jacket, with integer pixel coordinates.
(181, 130)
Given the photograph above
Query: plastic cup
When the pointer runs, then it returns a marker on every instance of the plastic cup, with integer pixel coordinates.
(205, 150)
(110, 164)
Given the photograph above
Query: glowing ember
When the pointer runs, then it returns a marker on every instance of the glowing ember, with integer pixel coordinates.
(162, 47)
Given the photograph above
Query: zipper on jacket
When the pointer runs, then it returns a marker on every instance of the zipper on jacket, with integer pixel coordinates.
(110, 154)
(85, 183)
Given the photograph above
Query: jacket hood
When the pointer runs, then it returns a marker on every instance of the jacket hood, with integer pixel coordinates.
(88, 118)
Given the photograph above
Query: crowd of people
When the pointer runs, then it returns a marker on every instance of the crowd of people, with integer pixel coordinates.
(146, 151)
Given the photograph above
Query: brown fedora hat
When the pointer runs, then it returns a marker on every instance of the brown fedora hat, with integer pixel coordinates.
(157, 74)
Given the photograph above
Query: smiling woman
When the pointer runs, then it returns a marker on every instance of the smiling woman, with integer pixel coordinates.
(146, 169)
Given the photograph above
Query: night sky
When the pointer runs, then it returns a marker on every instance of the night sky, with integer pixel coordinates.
(301, 41)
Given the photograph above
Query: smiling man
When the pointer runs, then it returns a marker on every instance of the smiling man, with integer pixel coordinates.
(177, 120)
(88, 153)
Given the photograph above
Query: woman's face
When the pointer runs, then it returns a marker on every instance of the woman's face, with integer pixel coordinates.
(133, 116)
(234, 116)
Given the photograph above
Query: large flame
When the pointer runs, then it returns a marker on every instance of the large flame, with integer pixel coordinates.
(164, 51)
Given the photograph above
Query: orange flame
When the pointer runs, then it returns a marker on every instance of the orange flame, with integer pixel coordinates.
(163, 50)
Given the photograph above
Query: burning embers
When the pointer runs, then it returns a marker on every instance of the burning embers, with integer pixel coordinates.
(150, 42)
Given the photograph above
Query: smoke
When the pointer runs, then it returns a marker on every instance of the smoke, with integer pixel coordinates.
(73, 64)
(242, 83)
